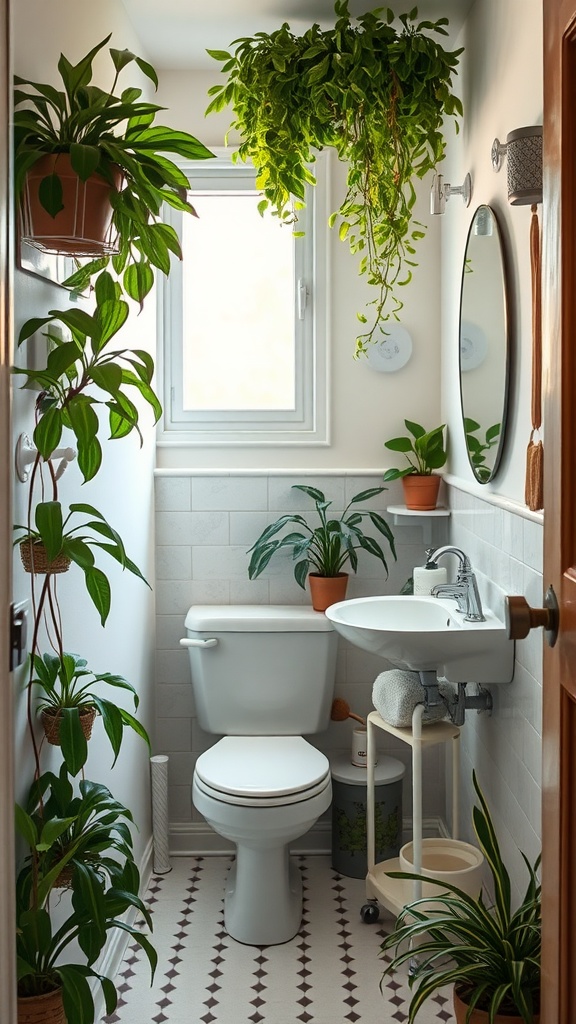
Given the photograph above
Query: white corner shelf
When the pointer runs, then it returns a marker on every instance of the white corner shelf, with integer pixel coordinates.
(433, 513)
(403, 516)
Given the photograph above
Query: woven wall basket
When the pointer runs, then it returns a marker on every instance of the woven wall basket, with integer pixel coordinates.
(51, 723)
(35, 560)
(46, 1009)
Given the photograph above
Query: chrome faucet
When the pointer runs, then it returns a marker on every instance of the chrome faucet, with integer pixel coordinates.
(465, 589)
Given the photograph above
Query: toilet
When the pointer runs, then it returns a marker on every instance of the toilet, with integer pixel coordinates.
(262, 677)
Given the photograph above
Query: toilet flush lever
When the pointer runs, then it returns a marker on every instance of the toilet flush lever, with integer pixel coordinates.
(210, 642)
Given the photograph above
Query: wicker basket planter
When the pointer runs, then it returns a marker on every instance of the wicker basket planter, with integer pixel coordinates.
(35, 559)
(45, 1009)
(51, 723)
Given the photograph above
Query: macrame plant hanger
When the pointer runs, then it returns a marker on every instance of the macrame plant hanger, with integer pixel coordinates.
(534, 489)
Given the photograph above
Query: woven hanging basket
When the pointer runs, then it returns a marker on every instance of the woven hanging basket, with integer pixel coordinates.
(51, 722)
(35, 560)
(45, 1009)
(64, 879)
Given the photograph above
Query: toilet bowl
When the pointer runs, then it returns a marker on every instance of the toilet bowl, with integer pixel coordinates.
(262, 793)
(264, 676)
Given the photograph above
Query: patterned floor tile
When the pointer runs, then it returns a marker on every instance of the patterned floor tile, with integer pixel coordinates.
(328, 974)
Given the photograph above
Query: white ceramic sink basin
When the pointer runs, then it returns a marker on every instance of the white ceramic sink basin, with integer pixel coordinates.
(427, 634)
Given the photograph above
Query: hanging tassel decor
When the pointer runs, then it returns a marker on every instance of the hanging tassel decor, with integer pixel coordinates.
(534, 487)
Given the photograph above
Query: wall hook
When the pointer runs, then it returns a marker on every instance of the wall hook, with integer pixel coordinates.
(26, 453)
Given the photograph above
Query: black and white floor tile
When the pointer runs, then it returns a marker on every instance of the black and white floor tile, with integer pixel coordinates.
(328, 974)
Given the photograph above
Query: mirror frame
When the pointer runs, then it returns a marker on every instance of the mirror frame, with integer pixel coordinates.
(506, 341)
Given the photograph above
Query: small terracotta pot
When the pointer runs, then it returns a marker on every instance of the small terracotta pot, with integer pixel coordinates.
(45, 1009)
(421, 492)
(84, 226)
(327, 590)
(482, 1016)
(51, 723)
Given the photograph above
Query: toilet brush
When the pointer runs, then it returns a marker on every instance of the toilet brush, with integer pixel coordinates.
(341, 711)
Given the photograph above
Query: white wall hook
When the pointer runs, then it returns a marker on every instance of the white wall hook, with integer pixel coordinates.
(26, 453)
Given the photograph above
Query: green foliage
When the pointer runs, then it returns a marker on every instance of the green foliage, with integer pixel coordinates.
(326, 548)
(424, 451)
(51, 531)
(66, 687)
(74, 368)
(489, 952)
(78, 832)
(102, 131)
(478, 448)
(376, 94)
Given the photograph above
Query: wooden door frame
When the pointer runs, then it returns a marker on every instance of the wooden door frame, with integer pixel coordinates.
(559, 680)
(7, 865)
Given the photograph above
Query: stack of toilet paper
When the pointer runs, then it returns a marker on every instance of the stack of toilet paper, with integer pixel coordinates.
(396, 693)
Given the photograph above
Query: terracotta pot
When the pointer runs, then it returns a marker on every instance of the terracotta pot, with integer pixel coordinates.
(327, 590)
(482, 1016)
(421, 492)
(35, 560)
(45, 1009)
(51, 722)
(84, 226)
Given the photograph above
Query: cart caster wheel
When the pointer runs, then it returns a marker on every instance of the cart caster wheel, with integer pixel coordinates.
(370, 913)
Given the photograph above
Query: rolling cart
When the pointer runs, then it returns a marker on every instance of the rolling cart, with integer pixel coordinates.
(395, 893)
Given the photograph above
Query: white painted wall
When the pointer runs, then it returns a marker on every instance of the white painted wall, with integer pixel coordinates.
(367, 407)
(123, 489)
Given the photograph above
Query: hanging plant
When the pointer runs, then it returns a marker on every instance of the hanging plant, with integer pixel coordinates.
(376, 94)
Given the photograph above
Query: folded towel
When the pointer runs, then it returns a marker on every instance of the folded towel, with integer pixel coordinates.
(396, 693)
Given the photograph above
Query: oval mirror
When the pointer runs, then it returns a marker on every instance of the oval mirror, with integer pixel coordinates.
(484, 344)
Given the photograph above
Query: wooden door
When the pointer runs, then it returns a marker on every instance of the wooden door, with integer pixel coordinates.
(7, 926)
(559, 333)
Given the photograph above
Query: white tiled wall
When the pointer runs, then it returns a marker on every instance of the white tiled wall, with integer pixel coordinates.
(204, 526)
(505, 747)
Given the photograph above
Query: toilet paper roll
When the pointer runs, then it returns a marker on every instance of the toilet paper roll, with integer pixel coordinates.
(425, 579)
(159, 788)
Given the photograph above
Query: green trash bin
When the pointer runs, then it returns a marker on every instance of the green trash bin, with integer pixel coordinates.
(349, 848)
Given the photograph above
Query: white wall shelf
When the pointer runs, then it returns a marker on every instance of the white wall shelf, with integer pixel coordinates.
(403, 516)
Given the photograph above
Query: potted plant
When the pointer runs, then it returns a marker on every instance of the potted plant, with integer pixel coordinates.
(424, 451)
(70, 138)
(321, 552)
(490, 953)
(104, 889)
(380, 95)
(478, 448)
(67, 705)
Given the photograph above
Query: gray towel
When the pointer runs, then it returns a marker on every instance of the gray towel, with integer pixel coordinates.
(396, 693)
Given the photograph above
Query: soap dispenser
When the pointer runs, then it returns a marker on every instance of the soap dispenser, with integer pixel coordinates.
(428, 576)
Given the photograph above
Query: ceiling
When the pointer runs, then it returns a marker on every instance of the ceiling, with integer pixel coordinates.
(176, 33)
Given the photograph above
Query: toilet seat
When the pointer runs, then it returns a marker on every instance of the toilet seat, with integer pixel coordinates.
(262, 771)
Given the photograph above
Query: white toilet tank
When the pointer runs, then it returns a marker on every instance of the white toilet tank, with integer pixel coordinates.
(270, 671)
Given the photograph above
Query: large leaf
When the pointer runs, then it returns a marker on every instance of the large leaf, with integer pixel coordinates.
(72, 740)
(48, 516)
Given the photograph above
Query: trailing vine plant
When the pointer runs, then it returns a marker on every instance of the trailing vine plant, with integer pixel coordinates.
(375, 93)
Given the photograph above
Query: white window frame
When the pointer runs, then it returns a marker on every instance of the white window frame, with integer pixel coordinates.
(308, 423)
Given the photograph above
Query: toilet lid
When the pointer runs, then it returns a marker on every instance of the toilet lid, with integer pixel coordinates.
(269, 767)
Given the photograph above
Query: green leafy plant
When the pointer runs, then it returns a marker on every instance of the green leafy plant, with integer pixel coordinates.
(326, 548)
(63, 830)
(478, 448)
(102, 131)
(74, 368)
(66, 689)
(490, 952)
(376, 94)
(52, 533)
(424, 450)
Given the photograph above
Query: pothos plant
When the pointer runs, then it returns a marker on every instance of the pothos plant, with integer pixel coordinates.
(377, 92)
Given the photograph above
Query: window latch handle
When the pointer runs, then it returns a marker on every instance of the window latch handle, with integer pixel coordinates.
(302, 298)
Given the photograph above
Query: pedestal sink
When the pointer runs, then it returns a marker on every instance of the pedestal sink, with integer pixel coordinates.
(427, 634)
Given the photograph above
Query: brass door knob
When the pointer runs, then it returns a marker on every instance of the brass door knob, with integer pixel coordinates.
(521, 618)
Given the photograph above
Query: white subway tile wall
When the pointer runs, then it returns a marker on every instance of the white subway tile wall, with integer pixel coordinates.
(505, 747)
(204, 526)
